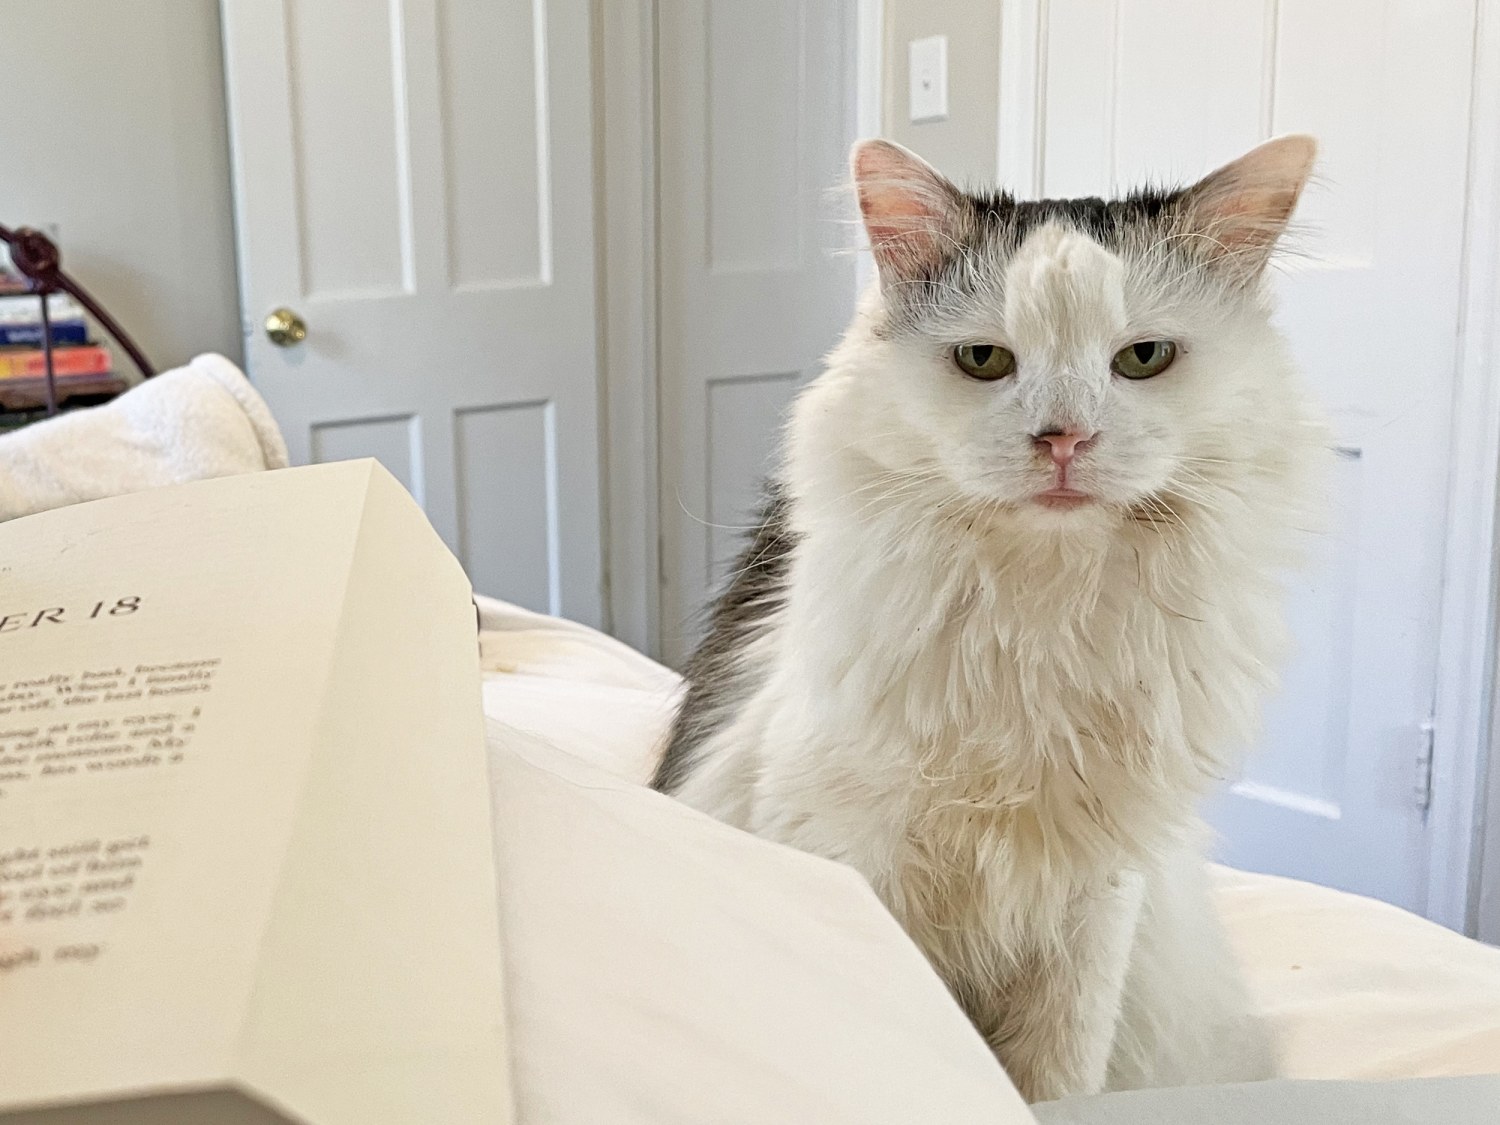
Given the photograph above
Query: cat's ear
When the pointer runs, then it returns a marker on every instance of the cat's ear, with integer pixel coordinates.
(1243, 208)
(911, 212)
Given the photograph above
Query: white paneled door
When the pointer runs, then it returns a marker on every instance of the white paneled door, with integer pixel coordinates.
(414, 180)
(757, 105)
(1169, 88)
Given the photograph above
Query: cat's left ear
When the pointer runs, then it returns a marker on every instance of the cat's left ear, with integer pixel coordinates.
(1243, 208)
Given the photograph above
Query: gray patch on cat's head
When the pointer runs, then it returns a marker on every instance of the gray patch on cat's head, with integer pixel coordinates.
(939, 246)
(987, 230)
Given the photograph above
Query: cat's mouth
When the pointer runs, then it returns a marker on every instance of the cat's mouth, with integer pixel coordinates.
(1063, 498)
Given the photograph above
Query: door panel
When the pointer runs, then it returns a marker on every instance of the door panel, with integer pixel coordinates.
(744, 420)
(507, 457)
(756, 118)
(394, 442)
(495, 137)
(416, 180)
(1370, 302)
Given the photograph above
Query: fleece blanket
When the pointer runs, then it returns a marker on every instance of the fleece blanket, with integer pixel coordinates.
(199, 421)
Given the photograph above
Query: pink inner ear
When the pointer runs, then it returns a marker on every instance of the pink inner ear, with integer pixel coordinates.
(906, 207)
(1245, 205)
(1253, 214)
(890, 213)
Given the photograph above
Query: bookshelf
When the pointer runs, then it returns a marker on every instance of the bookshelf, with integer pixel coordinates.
(50, 359)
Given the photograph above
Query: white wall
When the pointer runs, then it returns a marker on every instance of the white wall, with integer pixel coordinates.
(963, 146)
(112, 126)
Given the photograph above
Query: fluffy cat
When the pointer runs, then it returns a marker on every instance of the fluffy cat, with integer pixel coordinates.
(1014, 603)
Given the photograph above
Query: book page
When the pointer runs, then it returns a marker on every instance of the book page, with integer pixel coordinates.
(153, 734)
(167, 667)
(85, 723)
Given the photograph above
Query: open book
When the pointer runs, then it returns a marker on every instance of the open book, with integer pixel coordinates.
(246, 865)
(250, 842)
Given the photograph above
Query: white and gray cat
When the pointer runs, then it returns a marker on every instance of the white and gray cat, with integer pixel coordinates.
(1013, 604)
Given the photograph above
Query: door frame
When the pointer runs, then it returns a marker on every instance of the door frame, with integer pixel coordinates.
(625, 70)
(869, 67)
(1464, 878)
(869, 94)
(626, 200)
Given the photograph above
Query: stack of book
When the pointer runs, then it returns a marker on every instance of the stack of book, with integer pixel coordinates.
(82, 368)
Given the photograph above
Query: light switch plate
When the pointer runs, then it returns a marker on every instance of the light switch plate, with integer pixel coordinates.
(927, 65)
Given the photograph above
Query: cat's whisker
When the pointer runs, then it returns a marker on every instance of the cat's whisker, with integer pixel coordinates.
(1169, 515)
(893, 494)
(681, 504)
(1207, 495)
(913, 478)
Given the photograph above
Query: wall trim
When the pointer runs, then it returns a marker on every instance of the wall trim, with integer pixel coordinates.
(869, 68)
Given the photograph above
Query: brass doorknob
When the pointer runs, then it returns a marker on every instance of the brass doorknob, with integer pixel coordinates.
(285, 328)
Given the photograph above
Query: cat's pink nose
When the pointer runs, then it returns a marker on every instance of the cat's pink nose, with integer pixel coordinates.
(1064, 445)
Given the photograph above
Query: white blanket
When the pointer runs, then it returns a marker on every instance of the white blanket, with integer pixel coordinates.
(662, 968)
(199, 421)
(1355, 989)
(1360, 989)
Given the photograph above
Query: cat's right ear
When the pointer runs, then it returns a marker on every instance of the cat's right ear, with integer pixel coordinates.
(911, 212)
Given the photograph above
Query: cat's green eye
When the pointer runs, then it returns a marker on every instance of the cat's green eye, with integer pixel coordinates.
(1144, 359)
(984, 361)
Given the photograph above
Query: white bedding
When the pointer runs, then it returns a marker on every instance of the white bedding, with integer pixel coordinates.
(1356, 989)
(636, 994)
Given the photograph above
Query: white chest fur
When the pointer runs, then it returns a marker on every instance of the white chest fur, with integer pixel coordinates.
(923, 697)
(1010, 790)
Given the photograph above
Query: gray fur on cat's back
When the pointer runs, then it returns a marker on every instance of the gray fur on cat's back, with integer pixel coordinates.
(717, 677)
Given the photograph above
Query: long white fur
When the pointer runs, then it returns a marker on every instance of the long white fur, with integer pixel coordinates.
(1003, 714)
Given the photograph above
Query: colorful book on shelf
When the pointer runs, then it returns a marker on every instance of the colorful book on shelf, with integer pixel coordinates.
(64, 333)
(27, 308)
(31, 363)
(21, 321)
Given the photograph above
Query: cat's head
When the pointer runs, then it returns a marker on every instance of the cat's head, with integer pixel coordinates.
(1074, 361)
